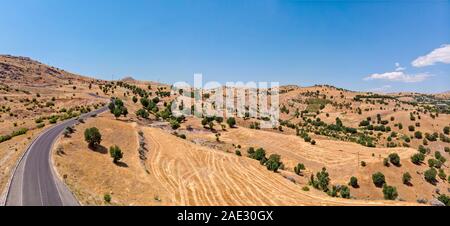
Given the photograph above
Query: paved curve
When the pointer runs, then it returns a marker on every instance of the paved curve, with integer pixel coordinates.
(34, 181)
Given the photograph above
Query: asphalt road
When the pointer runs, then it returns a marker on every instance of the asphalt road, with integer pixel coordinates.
(34, 182)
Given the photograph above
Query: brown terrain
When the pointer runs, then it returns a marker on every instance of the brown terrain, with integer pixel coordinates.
(187, 163)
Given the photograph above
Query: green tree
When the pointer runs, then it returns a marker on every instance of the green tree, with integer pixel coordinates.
(124, 111)
(417, 158)
(142, 113)
(107, 198)
(174, 124)
(145, 102)
(363, 164)
(422, 149)
(406, 178)
(323, 179)
(92, 136)
(447, 130)
(251, 152)
(442, 174)
(339, 122)
(353, 182)
(378, 179)
(394, 158)
(444, 199)
(418, 135)
(345, 192)
(390, 193)
(117, 112)
(430, 175)
(115, 153)
(219, 120)
(298, 169)
(231, 122)
(111, 107)
(204, 122)
(259, 154)
(274, 162)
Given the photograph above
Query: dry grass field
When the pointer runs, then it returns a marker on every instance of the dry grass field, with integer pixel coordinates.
(178, 172)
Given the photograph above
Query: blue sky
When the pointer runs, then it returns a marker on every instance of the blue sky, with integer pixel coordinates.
(349, 44)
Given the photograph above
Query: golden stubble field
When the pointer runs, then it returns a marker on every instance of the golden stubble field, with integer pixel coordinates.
(178, 172)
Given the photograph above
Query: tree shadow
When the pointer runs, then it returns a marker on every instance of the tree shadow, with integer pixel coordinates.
(99, 149)
(122, 164)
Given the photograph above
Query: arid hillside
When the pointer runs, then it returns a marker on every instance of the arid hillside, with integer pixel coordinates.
(332, 146)
(34, 96)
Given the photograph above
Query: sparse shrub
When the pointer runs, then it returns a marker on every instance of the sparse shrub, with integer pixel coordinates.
(107, 198)
(411, 128)
(363, 164)
(386, 162)
(390, 192)
(378, 179)
(92, 136)
(238, 153)
(116, 153)
(53, 120)
(447, 149)
(19, 132)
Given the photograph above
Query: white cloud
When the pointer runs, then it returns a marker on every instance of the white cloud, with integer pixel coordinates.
(439, 55)
(399, 67)
(382, 89)
(399, 76)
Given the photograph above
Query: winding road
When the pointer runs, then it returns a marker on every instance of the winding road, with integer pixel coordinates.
(34, 181)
